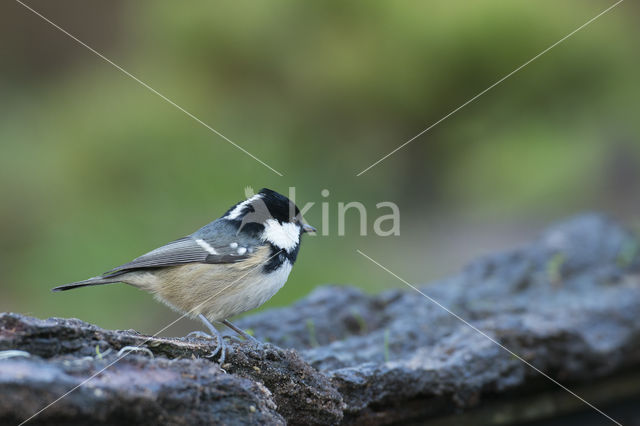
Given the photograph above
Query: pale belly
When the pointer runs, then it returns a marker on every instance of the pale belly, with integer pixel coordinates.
(216, 291)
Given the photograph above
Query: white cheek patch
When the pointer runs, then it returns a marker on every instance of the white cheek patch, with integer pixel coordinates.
(205, 245)
(285, 236)
(242, 250)
(237, 211)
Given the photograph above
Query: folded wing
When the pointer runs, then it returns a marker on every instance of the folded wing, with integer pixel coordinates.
(185, 250)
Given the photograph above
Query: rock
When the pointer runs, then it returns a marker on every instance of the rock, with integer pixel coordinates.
(172, 382)
(136, 390)
(303, 396)
(567, 304)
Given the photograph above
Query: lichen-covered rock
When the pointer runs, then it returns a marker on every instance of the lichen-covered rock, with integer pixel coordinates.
(568, 304)
(303, 396)
(171, 382)
(137, 390)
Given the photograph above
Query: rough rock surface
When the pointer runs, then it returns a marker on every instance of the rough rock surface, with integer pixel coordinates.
(568, 304)
(172, 381)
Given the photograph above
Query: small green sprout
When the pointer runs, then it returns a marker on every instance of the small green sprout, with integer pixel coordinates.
(311, 327)
(362, 324)
(387, 355)
(628, 253)
(554, 268)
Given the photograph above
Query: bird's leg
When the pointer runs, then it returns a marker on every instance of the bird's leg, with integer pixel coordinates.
(239, 331)
(222, 347)
(202, 335)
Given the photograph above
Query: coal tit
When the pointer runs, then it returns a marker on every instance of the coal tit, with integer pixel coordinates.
(230, 266)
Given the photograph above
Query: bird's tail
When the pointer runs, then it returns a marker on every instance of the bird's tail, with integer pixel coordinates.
(99, 280)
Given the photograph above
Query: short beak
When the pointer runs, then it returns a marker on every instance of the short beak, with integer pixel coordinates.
(308, 228)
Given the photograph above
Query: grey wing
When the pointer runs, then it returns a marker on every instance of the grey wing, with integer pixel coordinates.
(185, 250)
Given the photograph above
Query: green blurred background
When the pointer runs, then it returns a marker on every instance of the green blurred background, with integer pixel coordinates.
(96, 170)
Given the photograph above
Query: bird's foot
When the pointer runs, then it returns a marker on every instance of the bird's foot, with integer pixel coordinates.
(203, 335)
(221, 348)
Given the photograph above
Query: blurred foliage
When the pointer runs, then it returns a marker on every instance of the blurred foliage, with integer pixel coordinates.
(95, 169)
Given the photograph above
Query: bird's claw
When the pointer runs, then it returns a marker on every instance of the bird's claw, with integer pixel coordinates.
(214, 352)
(221, 348)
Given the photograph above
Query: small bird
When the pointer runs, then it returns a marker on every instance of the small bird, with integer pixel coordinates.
(229, 266)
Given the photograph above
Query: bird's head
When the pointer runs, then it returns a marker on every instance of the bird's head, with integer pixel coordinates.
(272, 217)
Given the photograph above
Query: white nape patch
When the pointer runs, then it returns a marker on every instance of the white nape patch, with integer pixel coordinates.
(233, 245)
(205, 245)
(242, 250)
(233, 214)
(284, 236)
